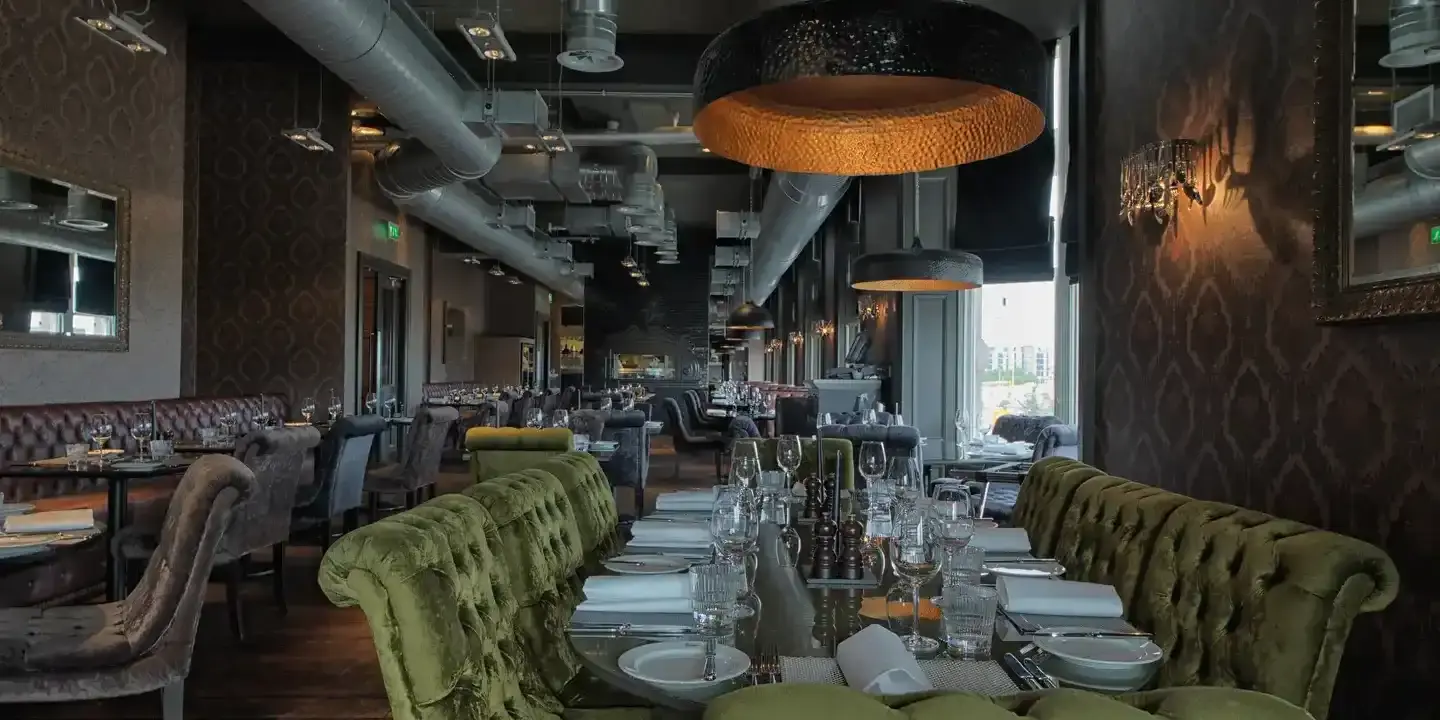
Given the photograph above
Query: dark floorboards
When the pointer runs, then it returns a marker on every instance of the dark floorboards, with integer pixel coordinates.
(317, 662)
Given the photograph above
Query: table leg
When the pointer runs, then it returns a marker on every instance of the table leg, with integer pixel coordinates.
(116, 505)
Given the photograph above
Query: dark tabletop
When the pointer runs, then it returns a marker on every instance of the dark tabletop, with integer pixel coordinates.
(93, 471)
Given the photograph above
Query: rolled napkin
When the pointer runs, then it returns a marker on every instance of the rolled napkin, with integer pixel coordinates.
(686, 501)
(1001, 540)
(52, 521)
(875, 661)
(58, 462)
(1043, 596)
(637, 593)
(670, 534)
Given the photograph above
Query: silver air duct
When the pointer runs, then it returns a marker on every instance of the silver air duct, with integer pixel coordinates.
(1414, 34)
(83, 211)
(1398, 200)
(678, 136)
(640, 185)
(25, 231)
(590, 37)
(796, 205)
(473, 220)
(15, 191)
(372, 49)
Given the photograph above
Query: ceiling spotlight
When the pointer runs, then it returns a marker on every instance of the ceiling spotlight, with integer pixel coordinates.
(359, 130)
(668, 260)
(485, 35)
(308, 138)
(635, 273)
(704, 149)
(513, 280)
(529, 146)
(122, 31)
(497, 271)
(628, 262)
(642, 281)
(555, 141)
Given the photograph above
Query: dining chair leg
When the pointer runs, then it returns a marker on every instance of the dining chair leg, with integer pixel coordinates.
(639, 501)
(172, 701)
(277, 576)
(351, 520)
(325, 533)
(234, 579)
(374, 502)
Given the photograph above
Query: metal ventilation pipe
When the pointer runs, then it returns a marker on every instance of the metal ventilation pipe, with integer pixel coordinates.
(796, 205)
(641, 184)
(19, 230)
(473, 220)
(371, 48)
(590, 31)
(679, 136)
(83, 211)
(1397, 200)
(15, 191)
(1414, 34)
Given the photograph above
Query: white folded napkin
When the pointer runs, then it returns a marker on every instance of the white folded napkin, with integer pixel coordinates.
(1043, 596)
(637, 593)
(875, 661)
(670, 534)
(53, 521)
(687, 500)
(1002, 540)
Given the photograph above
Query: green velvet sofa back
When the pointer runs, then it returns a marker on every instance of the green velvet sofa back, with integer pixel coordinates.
(831, 448)
(1237, 598)
(500, 451)
(467, 594)
(832, 702)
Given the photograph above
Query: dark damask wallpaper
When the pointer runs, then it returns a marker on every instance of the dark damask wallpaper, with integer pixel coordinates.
(270, 229)
(74, 102)
(1212, 377)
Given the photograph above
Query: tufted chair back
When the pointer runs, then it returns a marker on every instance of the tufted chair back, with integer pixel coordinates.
(1108, 530)
(629, 466)
(1045, 496)
(1061, 440)
(590, 423)
(567, 399)
(832, 448)
(1242, 599)
(500, 451)
(439, 603)
(796, 415)
(160, 615)
(694, 409)
(276, 456)
(587, 486)
(519, 409)
(899, 440)
(340, 464)
(1022, 428)
(425, 446)
(681, 429)
(882, 418)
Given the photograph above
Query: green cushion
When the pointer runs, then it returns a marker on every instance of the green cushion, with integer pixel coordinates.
(440, 610)
(833, 702)
(1044, 498)
(831, 447)
(1089, 546)
(501, 451)
(592, 499)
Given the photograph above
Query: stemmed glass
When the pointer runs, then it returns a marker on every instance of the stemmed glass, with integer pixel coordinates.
(787, 456)
(307, 408)
(371, 403)
(745, 463)
(560, 419)
(905, 479)
(535, 418)
(951, 514)
(100, 431)
(336, 407)
(872, 461)
(914, 556)
(735, 528)
(142, 430)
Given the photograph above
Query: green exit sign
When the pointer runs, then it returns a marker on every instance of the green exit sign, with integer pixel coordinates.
(1435, 236)
(392, 230)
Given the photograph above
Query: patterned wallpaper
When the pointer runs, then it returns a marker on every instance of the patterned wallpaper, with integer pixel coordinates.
(270, 230)
(1212, 378)
(72, 100)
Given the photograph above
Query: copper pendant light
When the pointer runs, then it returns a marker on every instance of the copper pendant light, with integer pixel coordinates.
(917, 269)
(857, 87)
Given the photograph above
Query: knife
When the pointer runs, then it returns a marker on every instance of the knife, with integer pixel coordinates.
(1042, 677)
(1021, 671)
(1087, 633)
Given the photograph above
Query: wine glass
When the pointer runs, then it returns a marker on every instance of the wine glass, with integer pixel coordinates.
(560, 419)
(787, 456)
(734, 525)
(954, 526)
(307, 409)
(905, 478)
(914, 554)
(870, 417)
(100, 431)
(534, 418)
(336, 407)
(745, 463)
(371, 403)
(142, 430)
(872, 461)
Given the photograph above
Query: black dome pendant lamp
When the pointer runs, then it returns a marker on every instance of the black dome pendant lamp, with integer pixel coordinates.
(859, 87)
(749, 317)
(917, 269)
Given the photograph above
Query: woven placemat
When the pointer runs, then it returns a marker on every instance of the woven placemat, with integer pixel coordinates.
(983, 677)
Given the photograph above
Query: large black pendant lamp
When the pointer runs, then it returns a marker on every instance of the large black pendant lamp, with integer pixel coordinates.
(859, 87)
(916, 269)
(749, 317)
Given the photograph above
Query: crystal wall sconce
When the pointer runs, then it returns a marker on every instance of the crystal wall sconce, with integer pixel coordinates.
(824, 328)
(1153, 179)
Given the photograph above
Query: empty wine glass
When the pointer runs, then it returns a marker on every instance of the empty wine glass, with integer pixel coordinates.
(100, 430)
(371, 403)
(307, 409)
(953, 524)
(904, 477)
(734, 525)
(872, 461)
(745, 462)
(788, 456)
(870, 417)
(915, 557)
(141, 430)
(336, 407)
(534, 418)
(560, 419)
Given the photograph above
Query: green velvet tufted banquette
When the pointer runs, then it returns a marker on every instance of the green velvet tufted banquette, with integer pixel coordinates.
(500, 451)
(1236, 598)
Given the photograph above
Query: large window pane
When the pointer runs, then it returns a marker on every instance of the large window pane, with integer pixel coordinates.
(1017, 360)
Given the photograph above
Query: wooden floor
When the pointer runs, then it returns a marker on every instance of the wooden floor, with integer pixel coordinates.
(318, 661)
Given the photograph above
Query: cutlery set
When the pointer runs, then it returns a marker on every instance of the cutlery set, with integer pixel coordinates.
(765, 667)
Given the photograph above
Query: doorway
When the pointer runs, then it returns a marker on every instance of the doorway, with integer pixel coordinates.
(383, 299)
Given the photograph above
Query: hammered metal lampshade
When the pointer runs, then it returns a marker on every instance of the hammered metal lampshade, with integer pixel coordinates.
(917, 270)
(749, 317)
(856, 87)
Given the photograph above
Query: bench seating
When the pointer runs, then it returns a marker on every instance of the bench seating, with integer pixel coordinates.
(1236, 598)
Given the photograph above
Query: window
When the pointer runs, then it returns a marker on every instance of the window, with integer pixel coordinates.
(1017, 361)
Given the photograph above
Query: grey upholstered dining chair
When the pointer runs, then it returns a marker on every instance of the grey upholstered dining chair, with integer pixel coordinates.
(629, 465)
(420, 467)
(1062, 440)
(339, 487)
(1023, 428)
(687, 438)
(899, 440)
(590, 423)
(143, 642)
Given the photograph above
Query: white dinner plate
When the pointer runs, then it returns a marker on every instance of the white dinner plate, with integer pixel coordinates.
(15, 509)
(647, 564)
(678, 665)
(1024, 569)
(1100, 653)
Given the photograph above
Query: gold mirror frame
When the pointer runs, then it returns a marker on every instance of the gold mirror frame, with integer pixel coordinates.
(1334, 299)
(120, 341)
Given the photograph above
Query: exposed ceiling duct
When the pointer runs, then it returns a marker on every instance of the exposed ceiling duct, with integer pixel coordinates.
(83, 211)
(561, 177)
(641, 186)
(1414, 34)
(796, 205)
(370, 47)
(15, 191)
(653, 138)
(28, 231)
(1395, 201)
(471, 219)
(590, 30)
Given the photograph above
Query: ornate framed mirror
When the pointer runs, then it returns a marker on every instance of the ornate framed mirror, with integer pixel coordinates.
(1377, 159)
(64, 259)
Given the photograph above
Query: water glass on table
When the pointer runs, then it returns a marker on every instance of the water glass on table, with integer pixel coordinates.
(713, 603)
(964, 566)
(76, 456)
(969, 619)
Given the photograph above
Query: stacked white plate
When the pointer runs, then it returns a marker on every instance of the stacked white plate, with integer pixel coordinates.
(1108, 664)
(676, 667)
